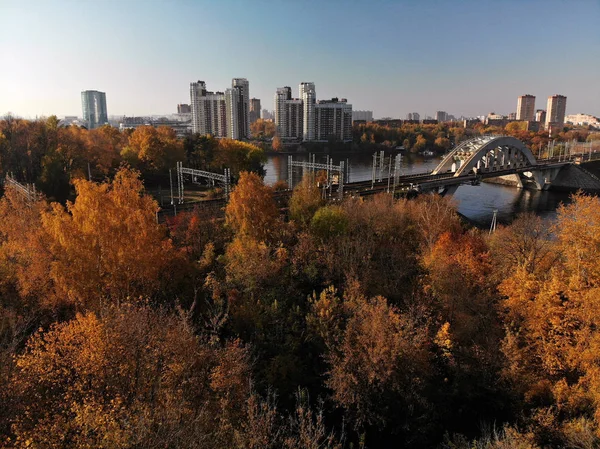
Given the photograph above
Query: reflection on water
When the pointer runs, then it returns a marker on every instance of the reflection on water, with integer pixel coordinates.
(477, 203)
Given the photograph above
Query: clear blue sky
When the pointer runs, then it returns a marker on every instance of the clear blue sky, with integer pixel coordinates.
(392, 57)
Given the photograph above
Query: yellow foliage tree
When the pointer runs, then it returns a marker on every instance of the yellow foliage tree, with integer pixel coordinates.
(107, 244)
(251, 210)
(238, 156)
(24, 256)
(130, 377)
(552, 320)
(250, 263)
(157, 148)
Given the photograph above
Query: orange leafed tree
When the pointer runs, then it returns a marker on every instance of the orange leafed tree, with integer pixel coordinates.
(24, 256)
(128, 377)
(552, 339)
(378, 358)
(156, 148)
(251, 210)
(107, 244)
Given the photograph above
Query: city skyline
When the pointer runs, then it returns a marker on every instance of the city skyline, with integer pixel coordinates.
(391, 58)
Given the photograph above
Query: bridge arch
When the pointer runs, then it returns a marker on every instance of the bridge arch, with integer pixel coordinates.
(486, 154)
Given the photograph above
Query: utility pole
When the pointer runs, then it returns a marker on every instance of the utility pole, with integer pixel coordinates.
(171, 183)
(389, 174)
(374, 169)
(494, 222)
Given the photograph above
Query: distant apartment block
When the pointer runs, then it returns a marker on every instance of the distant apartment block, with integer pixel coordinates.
(209, 112)
(222, 114)
(540, 116)
(526, 108)
(182, 127)
(267, 115)
(366, 116)
(413, 116)
(289, 115)
(184, 109)
(441, 116)
(333, 120)
(555, 112)
(583, 120)
(310, 120)
(308, 95)
(254, 110)
(241, 108)
(93, 104)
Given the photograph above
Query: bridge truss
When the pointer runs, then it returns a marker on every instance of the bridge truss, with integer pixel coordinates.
(486, 154)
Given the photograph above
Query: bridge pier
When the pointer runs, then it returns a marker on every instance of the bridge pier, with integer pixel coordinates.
(541, 178)
(449, 190)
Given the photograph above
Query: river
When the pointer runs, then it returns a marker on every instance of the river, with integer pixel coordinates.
(476, 203)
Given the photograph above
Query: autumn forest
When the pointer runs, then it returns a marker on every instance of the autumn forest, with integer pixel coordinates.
(379, 323)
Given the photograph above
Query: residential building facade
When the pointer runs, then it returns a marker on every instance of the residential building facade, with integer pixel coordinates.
(209, 111)
(526, 108)
(540, 115)
(441, 116)
(366, 116)
(289, 115)
(254, 110)
(308, 95)
(583, 120)
(555, 112)
(93, 104)
(242, 108)
(184, 109)
(221, 114)
(333, 120)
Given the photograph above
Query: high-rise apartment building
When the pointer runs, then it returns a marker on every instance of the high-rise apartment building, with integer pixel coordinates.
(413, 116)
(289, 114)
(293, 119)
(184, 109)
(232, 104)
(333, 120)
(254, 110)
(309, 120)
(555, 112)
(526, 108)
(222, 114)
(540, 115)
(441, 116)
(242, 107)
(209, 111)
(281, 95)
(93, 104)
(267, 115)
(366, 116)
(308, 95)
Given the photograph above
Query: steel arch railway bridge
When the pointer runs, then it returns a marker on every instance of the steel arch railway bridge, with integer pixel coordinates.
(472, 161)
